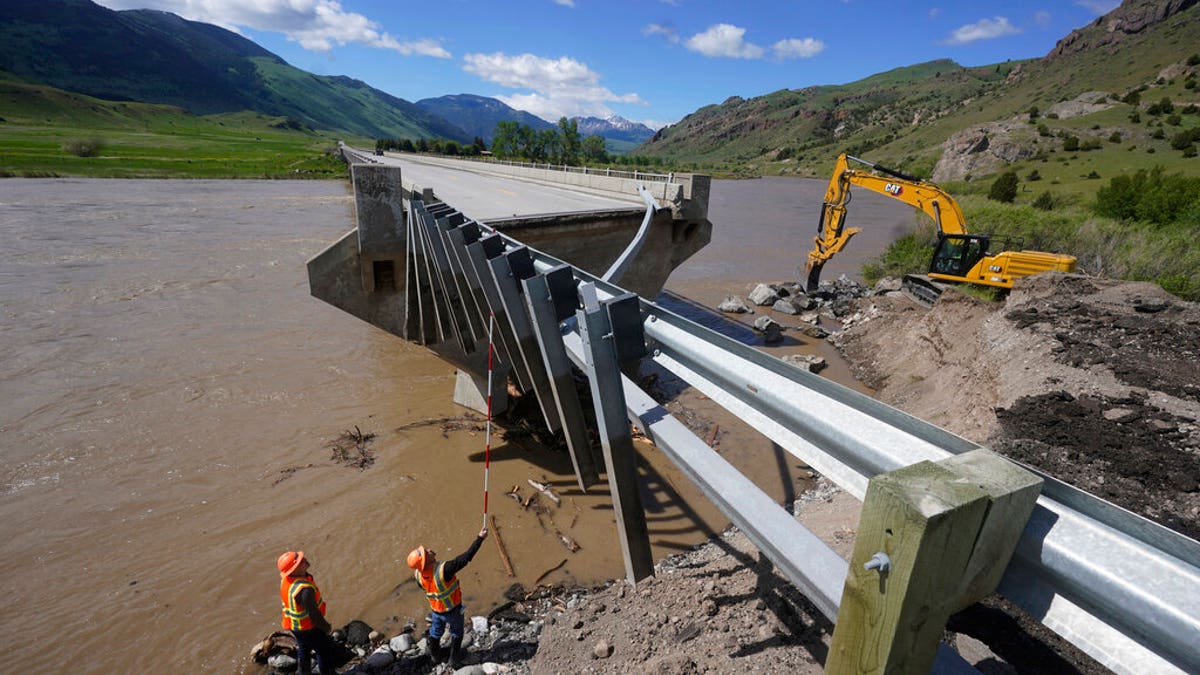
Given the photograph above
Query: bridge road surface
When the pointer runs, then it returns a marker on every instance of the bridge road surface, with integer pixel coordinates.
(484, 197)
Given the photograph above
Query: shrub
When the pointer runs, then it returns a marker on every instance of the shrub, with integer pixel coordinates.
(1051, 116)
(1004, 189)
(1093, 175)
(1071, 143)
(1033, 176)
(1114, 137)
(1174, 120)
(1045, 201)
(1043, 130)
(1194, 60)
(1189, 152)
(1135, 118)
(1133, 98)
(83, 147)
(1158, 134)
(1183, 139)
(1149, 196)
(1091, 144)
(1191, 109)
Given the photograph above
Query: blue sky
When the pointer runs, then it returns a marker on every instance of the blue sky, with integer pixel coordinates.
(653, 61)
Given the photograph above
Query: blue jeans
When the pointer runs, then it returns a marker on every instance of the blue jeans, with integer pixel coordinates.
(317, 642)
(452, 618)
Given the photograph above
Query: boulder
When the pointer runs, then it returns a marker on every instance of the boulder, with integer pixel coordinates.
(358, 633)
(771, 330)
(886, 285)
(733, 305)
(813, 331)
(379, 659)
(401, 643)
(809, 362)
(763, 295)
(479, 624)
(282, 662)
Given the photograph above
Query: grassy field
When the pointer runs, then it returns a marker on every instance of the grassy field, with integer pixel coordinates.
(49, 132)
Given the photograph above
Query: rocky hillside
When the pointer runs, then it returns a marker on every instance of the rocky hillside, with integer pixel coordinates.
(990, 114)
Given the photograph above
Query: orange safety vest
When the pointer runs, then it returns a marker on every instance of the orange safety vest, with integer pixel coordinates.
(295, 617)
(443, 596)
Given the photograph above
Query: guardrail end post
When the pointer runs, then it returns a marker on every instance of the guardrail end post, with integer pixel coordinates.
(924, 520)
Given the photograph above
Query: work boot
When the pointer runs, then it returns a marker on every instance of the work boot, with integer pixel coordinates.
(435, 651)
(456, 651)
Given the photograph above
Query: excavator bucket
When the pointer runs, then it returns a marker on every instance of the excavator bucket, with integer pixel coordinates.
(814, 279)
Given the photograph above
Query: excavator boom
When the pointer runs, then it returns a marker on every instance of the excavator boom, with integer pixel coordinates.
(959, 255)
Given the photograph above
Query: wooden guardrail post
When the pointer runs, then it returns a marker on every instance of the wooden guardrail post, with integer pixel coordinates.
(933, 538)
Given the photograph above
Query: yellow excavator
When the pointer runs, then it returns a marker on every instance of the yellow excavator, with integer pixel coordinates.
(957, 257)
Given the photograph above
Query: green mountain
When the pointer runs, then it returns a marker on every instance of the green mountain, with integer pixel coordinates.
(158, 57)
(954, 122)
(478, 115)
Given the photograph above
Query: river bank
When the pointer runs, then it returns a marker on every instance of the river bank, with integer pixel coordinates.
(1108, 420)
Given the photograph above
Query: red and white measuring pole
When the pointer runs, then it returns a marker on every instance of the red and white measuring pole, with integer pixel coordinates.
(487, 447)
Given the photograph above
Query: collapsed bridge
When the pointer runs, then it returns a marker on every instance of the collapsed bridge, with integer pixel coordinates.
(1123, 589)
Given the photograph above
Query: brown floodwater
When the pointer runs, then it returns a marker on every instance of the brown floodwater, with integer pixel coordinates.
(170, 392)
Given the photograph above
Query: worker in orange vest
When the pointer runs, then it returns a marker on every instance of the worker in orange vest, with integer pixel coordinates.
(304, 614)
(440, 582)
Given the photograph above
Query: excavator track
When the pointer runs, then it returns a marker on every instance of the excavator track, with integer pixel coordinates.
(922, 289)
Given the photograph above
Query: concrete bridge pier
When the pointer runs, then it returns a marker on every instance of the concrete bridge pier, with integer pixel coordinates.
(368, 272)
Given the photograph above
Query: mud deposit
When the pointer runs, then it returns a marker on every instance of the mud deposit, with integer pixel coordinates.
(1092, 381)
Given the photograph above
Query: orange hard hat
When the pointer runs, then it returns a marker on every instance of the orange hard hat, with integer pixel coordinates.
(288, 562)
(416, 558)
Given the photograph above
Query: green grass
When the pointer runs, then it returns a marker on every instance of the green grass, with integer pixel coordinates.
(137, 140)
(1163, 254)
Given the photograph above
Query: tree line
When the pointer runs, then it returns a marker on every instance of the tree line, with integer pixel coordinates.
(512, 140)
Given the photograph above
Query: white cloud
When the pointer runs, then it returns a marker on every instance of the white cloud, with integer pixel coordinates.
(565, 3)
(984, 29)
(933, 12)
(724, 40)
(1099, 7)
(561, 87)
(1042, 19)
(667, 32)
(316, 25)
(797, 49)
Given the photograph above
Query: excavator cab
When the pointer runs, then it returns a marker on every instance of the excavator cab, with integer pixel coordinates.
(957, 254)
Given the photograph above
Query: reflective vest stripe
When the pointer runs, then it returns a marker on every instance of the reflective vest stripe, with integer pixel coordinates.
(295, 617)
(442, 597)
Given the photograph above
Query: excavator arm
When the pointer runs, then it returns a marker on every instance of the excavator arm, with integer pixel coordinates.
(832, 233)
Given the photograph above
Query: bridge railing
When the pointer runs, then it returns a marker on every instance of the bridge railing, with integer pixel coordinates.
(1121, 588)
(565, 168)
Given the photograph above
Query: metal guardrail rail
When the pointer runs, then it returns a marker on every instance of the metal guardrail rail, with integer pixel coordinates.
(1121, 588)
(582, 170)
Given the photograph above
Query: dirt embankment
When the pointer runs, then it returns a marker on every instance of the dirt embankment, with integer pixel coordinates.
(1095, 382)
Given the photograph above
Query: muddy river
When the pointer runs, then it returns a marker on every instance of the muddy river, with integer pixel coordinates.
(170, 391)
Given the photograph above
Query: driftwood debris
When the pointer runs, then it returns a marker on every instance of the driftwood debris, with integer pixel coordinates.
(547, 572)
(500, 545)
(570, 543)
(545, 489)
(515, 493)
(448, 424)
(352, 448)
(712, 438)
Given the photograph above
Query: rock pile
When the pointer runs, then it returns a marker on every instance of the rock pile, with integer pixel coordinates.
(833, 300)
